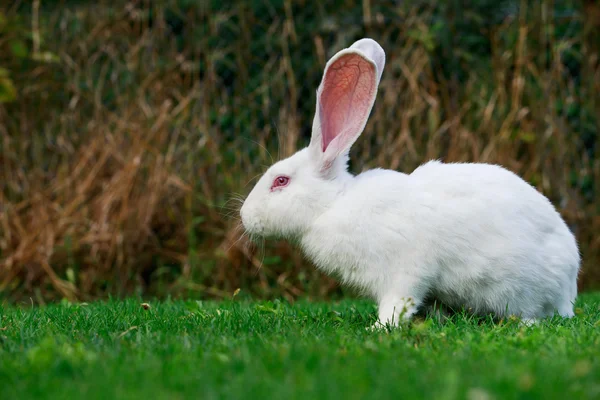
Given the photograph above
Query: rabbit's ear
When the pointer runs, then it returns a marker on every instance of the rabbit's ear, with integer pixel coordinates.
(345, 98)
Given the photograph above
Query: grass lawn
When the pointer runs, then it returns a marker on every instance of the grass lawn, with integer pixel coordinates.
(242, 349)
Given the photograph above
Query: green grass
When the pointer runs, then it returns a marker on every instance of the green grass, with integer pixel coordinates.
(276, 350)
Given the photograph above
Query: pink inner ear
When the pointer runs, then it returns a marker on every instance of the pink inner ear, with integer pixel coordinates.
(346, 99)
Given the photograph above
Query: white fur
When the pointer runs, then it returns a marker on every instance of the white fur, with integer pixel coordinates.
(467, 235)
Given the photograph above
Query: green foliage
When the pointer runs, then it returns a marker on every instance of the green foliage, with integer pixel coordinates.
(243, 349)
(7, 89)
(15, 38)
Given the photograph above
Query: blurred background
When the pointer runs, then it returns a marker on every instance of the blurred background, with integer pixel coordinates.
(129, 130)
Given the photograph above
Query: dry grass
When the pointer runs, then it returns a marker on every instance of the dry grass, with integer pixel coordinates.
(122, 161)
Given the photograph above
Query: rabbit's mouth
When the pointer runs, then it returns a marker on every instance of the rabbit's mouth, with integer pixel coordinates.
(252, 226)
(254, 229)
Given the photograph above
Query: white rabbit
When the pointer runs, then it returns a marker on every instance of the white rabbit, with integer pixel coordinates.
(467, 235)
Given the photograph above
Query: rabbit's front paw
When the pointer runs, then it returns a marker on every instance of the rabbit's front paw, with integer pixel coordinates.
(396, 310)
(379, 327)
(529, 321)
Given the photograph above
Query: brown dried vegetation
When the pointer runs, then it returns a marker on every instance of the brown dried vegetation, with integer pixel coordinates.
(123, 158)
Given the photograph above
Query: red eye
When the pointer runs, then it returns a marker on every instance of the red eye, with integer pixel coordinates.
(280, 181)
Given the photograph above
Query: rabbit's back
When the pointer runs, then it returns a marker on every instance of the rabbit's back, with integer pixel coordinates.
(497, 241)
(477, 235)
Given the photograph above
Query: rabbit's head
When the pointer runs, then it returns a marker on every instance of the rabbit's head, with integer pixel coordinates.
(295, 191)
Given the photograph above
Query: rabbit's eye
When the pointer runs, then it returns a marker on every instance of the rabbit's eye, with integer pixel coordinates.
(280, 181)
